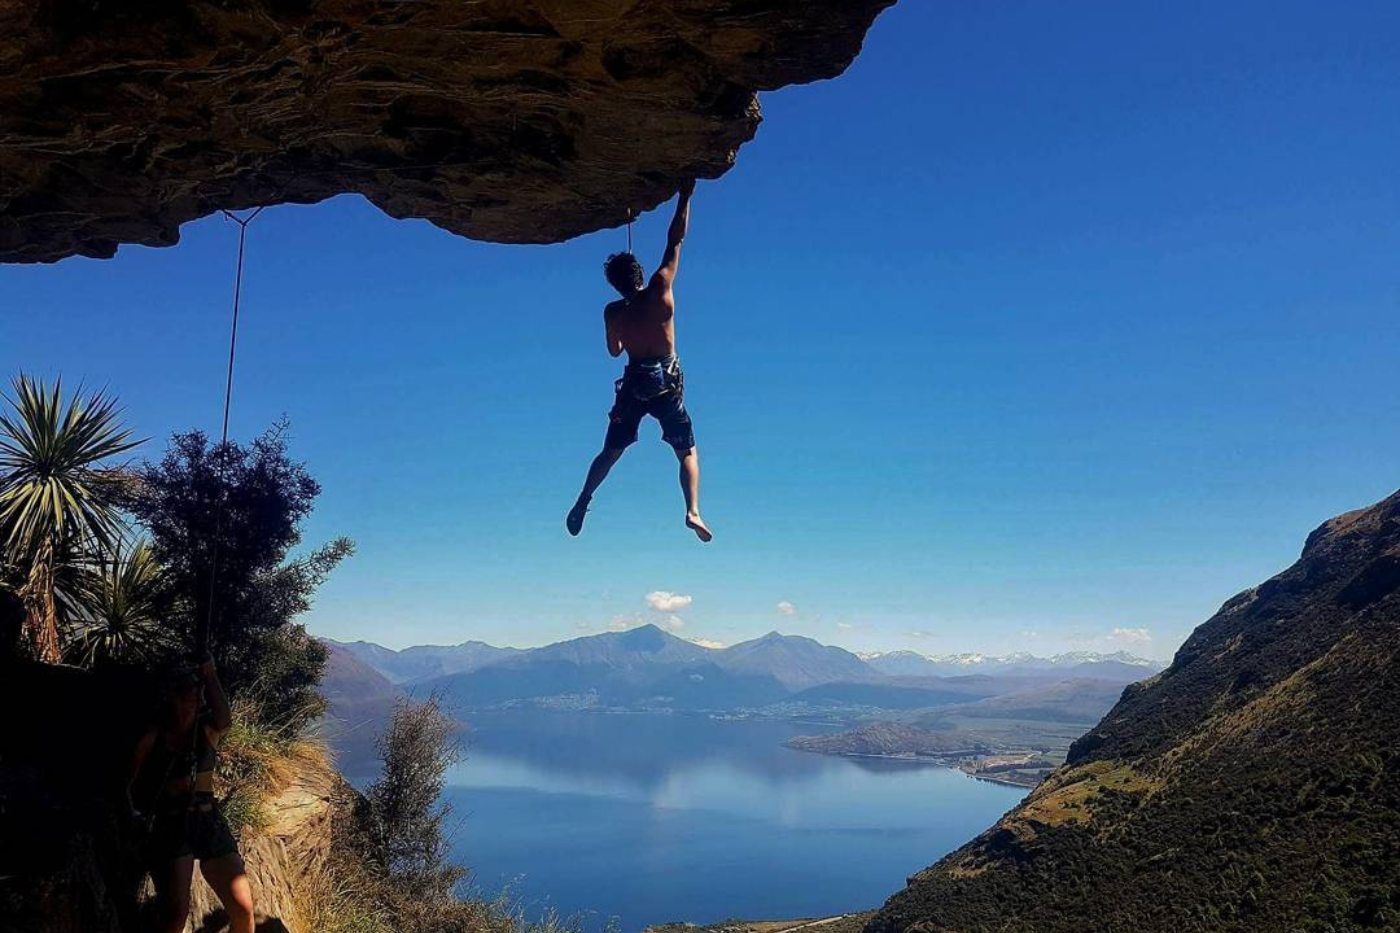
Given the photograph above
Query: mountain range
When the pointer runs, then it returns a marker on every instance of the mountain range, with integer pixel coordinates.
(649, 667)
(422, 662)
(913, 664)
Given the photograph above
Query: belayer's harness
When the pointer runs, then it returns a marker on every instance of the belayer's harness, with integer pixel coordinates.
(652, 377)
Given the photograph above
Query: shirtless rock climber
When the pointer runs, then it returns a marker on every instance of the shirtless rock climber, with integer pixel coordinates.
(643, 323)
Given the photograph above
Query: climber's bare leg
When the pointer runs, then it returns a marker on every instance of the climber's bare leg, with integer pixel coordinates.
(597, 472)
(229, 881)
(690, 487)
(172, 880)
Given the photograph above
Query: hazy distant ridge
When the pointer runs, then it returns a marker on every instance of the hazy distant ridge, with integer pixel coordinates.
(647, 667)
(422, 662)
(913, 664)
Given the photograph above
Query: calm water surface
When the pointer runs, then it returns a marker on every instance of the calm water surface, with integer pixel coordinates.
(650, 818)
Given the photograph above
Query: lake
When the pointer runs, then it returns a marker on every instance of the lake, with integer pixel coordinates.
(649, 818)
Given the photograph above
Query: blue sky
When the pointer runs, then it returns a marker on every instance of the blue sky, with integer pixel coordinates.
(1044, 327)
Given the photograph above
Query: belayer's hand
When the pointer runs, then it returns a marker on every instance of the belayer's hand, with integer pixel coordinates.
(138, 822)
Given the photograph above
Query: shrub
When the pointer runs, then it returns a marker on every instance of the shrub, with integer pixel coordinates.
(405, 815)
(239, 509)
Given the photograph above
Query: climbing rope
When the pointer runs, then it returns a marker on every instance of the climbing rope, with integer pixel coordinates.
(204, 624)
(629, 230)
(243, 223)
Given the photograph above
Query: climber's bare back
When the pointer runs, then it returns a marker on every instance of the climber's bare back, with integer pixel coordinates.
(644, 326)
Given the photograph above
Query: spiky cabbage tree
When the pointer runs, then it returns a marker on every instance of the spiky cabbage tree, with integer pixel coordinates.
(58, 489)
(124, 601)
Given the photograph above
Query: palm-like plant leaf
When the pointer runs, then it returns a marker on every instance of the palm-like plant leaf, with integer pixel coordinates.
(57, 489)
(124, 604)
(54, 481)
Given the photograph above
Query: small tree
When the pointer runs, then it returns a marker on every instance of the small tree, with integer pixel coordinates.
(404, 829)
(238, 510)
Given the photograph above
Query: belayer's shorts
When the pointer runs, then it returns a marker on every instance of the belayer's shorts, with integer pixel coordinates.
(653, 387)
(199, 830)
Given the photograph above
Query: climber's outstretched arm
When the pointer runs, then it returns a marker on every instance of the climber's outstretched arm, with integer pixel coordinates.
(671, 259)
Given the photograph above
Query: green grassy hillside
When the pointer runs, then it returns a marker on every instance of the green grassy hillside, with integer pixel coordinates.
(1254, 785)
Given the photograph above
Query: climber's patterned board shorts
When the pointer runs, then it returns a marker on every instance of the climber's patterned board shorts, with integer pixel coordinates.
(653, 387)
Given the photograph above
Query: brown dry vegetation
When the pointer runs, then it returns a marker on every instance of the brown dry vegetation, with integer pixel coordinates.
(299, 827)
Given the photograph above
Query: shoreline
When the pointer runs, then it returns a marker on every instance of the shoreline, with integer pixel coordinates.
(993, 779)
(911, 759)
(930, 761)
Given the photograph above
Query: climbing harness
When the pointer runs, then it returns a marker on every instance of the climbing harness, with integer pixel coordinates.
(205, 623)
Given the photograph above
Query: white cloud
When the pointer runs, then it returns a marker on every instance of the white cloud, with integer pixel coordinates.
(672, 623)
(1129, 636)
(844, 626)
(662, 601)
(919, 634)
(623, 623)
(707, 643)
(786, 608)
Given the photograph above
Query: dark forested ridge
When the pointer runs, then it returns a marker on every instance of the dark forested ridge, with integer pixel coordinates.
(1254, 785)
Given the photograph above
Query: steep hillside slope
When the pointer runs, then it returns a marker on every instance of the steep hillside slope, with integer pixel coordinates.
(1077, 700)
(1254, 785)
(360, 701)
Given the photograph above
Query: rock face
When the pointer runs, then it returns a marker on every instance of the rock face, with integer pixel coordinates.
(1253, 785)
(518, 121)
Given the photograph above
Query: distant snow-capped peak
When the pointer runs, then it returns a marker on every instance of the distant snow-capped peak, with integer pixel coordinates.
(976, 659)
(902, 653)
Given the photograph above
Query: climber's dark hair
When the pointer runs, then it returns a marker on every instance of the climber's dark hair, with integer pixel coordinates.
(624, 273)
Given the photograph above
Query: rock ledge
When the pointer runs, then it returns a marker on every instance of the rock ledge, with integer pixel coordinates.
(515, 121)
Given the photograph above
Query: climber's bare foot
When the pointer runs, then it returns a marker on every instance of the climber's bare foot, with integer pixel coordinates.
(695, 523)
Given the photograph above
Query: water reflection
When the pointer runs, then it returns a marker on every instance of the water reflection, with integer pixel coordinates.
(652, 818)
(639, 749)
